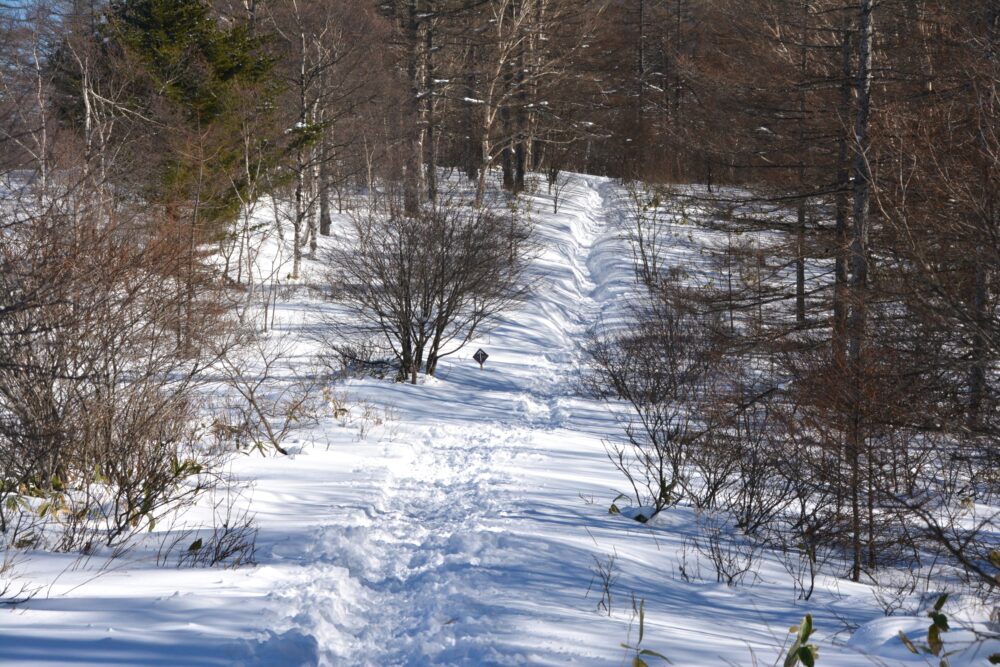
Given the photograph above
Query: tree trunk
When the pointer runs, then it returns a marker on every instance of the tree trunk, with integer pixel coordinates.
(325, 220)
(639, 137)
(800, 229)
(314, 189)
(857, 323)
(471, 145)
(414, 159)
(418, 360)
(429, 111)
(980, 316)
(506, 158)
(521, 110)
(299, 220)
(800, 266)
(405, 359)
(841, 240)
(507, 130)
(484, 168)
(300, 164)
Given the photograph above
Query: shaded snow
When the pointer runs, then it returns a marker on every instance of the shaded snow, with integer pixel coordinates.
(464, 531)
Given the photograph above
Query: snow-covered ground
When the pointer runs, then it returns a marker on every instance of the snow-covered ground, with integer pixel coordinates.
(460, 521)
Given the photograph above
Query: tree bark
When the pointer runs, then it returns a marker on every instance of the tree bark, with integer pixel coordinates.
(325, 220)
(800, 229)
(639, 137)
(859, 268)
(800, 266)
(841, 239)
(412, 178)
(429, 111)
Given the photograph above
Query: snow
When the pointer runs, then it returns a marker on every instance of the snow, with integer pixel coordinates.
(460, 521)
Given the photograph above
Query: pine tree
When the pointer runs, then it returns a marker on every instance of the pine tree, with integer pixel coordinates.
(199, 84)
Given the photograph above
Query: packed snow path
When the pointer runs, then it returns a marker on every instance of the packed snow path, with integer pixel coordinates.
(465, 526)
(450, 541)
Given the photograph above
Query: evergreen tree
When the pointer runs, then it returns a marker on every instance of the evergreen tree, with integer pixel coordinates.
(203, 88)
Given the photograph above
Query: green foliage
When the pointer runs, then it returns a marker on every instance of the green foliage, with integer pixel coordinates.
(186, 468)
(212, 81)
(189, 58)
(614, 509)
(666, 497)
(994, 557)
(801, 652)
(304, 135)
(200, 93)
(935, 643)
(636, 651)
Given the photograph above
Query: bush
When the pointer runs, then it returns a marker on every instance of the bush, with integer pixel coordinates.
(105, 327)
(659, 370)
(427, 282)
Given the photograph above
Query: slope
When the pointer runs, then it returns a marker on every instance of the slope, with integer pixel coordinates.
(465, 523)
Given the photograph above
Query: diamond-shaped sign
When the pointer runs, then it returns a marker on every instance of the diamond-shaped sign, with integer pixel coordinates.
(480, 357)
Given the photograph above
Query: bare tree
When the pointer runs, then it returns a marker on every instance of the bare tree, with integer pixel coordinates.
(659, 369)
(321, 50)
(427, 283)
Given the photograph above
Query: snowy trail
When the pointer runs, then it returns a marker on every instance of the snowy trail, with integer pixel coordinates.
(410, 555)
(430, 555)
(465, 529)
(479, 539)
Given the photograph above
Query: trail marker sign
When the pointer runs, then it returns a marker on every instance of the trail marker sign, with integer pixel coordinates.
(481, 357)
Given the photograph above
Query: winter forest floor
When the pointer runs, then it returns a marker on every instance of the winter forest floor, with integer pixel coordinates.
(463, 520)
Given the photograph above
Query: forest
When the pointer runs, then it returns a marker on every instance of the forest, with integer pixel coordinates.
(814, 385)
